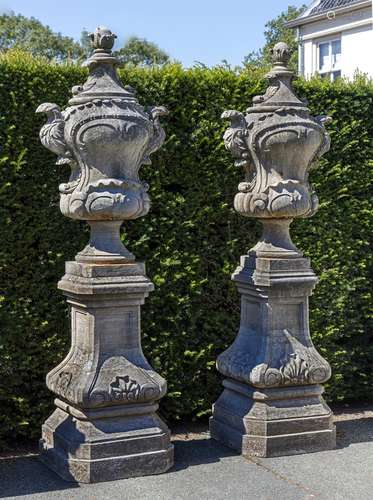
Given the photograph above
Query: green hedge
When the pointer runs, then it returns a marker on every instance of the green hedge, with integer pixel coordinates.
(191, 240)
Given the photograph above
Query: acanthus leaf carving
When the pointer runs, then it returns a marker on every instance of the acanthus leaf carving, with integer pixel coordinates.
(294, 364)
(294, 371)
(124, 388)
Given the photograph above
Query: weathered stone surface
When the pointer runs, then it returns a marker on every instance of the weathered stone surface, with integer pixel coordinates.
(272, 403)
(90, 447)
(105, 426)
(106, 365)
(273, 346)
(272, 422)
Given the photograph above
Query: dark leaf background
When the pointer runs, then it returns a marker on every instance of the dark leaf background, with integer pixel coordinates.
(191, 240)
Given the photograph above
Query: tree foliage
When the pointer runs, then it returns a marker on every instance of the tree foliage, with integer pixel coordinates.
(85, 43)
(30, 35)
(141, 52)
(275, 32)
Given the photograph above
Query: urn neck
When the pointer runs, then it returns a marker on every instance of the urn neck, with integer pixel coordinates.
(275, 241)
(105, 245)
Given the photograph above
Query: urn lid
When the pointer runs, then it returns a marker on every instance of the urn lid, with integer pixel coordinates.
(280, 93)
(103, 82)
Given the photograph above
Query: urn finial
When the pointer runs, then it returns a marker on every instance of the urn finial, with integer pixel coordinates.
(280, 55)
(281, 91)
(102, 39)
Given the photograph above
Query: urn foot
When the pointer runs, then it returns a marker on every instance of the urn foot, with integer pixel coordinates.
(272, 422)
(104, 446)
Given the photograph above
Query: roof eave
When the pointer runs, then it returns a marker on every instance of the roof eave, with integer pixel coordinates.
(317, 17)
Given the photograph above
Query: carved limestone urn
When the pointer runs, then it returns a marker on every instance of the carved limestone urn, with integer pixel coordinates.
(272, 403)
(105, 425)
(105, 135)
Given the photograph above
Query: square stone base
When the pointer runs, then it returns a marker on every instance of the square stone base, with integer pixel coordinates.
(272, 422)
(91, 449)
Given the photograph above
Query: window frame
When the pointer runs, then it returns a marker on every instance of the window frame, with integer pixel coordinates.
(329, 72)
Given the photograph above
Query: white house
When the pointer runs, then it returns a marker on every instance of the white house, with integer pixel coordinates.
(335, 38)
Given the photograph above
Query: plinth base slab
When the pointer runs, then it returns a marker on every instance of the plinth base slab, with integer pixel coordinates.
(272, 422)
(90, 450)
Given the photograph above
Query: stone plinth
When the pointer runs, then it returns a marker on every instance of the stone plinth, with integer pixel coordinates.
(266, 408)
(105, 425)
(272, 400)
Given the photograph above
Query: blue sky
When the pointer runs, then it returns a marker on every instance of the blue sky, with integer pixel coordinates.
(189, 30)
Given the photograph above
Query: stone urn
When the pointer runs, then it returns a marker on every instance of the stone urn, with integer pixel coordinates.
(105, 425)
(272, 404)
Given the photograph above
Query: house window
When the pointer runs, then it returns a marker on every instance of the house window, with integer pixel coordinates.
(329, 59)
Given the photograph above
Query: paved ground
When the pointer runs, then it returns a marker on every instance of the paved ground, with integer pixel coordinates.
(206, 470)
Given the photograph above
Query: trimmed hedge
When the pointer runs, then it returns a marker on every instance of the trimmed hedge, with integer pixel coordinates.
(191, 240)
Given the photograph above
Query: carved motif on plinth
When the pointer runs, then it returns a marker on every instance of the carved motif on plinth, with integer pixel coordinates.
(105, 425)
(272, 404)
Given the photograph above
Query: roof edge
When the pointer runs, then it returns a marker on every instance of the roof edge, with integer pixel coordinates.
(299, 21)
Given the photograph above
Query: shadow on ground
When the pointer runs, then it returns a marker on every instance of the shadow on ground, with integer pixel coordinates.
(358, 430)
(24, 476)
(20, 477)
(199, 451)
